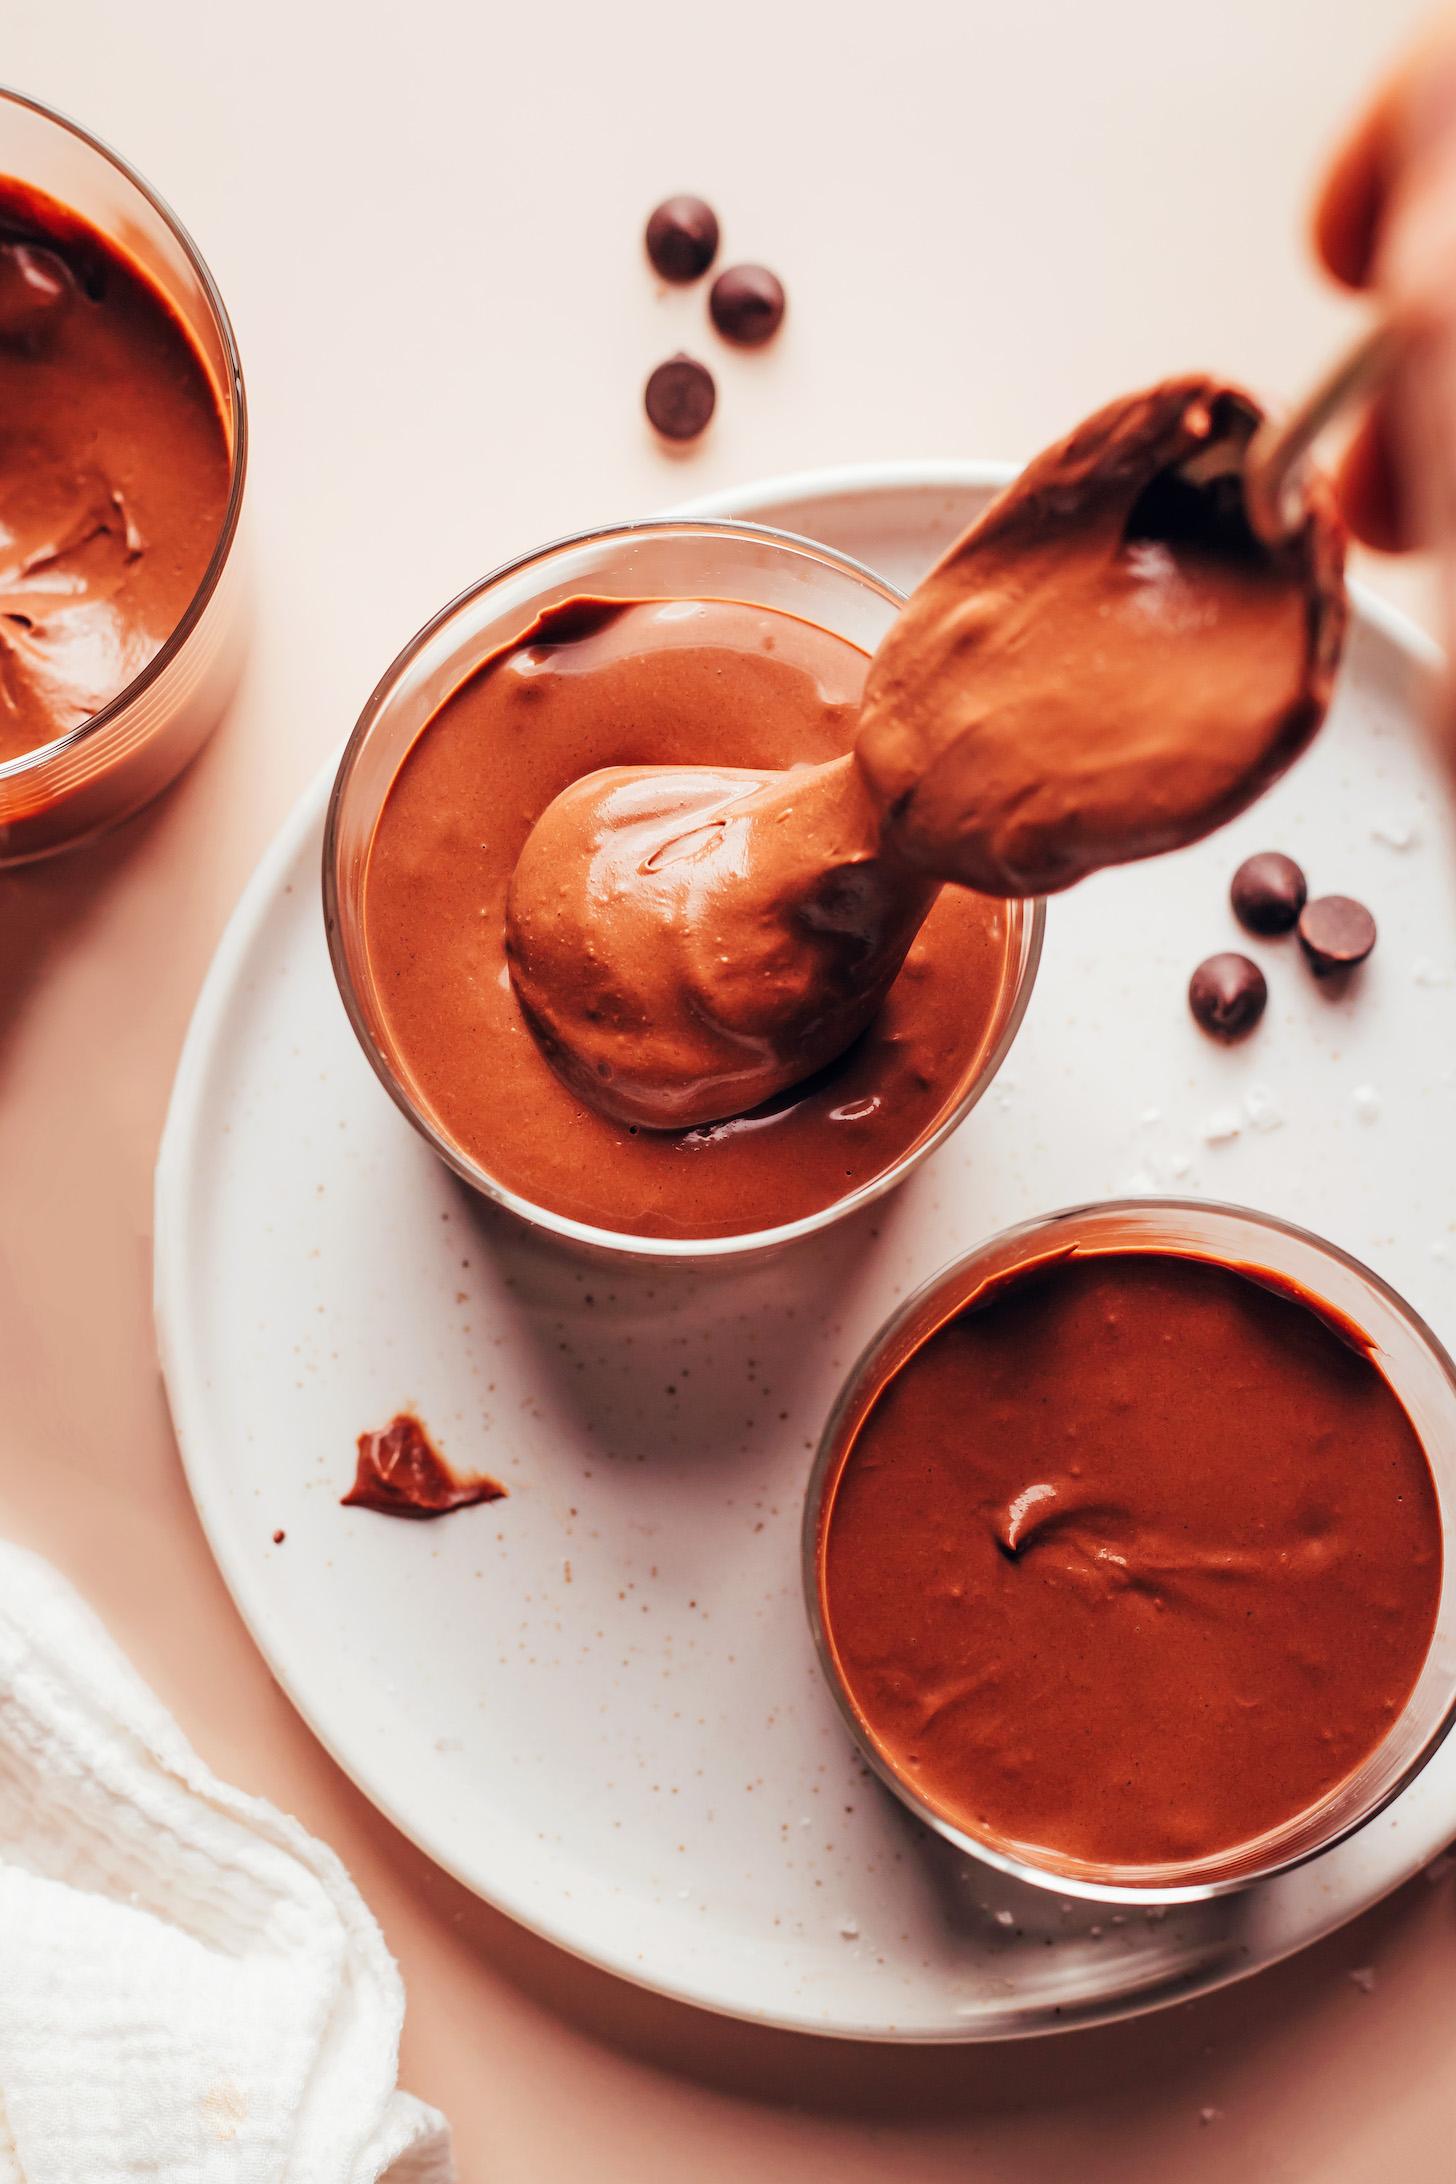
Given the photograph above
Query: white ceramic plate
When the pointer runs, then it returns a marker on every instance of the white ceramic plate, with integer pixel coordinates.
(596, 1702)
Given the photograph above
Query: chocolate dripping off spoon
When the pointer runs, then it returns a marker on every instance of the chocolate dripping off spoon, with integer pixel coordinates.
(1109, 663)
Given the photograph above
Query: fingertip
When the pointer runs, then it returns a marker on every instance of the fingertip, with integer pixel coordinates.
(1369, 490)
(1346, 217)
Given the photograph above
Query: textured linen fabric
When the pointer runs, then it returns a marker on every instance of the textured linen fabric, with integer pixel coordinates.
(191, 1987)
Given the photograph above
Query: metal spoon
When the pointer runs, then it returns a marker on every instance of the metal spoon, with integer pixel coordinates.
(1273, 492)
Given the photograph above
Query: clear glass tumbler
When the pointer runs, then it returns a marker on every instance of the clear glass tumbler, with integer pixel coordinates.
(657, 560)
(88, 779)
(1417, 1368)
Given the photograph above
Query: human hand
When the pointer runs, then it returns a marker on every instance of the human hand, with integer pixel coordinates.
(1385, 223)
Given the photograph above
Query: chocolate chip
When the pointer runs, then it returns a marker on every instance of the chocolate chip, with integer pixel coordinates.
(1335, 933)
(682, 238)
(1227, 994)
(35, 288)
(1268, 893)
(747, 304)
(680, 397)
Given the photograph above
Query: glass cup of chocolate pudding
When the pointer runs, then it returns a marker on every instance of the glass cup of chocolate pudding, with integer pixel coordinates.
(1130, 1550)
(668, 643)
(123, 450)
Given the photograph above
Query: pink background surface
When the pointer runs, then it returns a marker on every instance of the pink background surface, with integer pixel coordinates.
(426, 222)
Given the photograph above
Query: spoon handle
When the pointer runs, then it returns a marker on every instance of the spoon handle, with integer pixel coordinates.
(1278, 448)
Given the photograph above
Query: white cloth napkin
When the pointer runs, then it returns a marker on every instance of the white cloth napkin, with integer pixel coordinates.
(191, 1987)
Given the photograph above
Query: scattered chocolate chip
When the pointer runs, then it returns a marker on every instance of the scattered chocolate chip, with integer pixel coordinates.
(680, 397)
(1336, 933)
(35, 288)
(682, 238)
(1268, 893)
(747, 304)
(1227, 994)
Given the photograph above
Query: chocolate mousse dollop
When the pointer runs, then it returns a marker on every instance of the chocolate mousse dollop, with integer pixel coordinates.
(687, 941)
(1108, 664)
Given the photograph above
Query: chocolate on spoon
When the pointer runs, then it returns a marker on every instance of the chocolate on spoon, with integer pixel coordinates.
(1107, 665)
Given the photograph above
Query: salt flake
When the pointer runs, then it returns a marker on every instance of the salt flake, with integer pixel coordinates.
(1262, 1108)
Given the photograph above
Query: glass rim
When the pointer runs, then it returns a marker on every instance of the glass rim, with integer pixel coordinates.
(95, 724)
(622, 1241)
(1045, 1227)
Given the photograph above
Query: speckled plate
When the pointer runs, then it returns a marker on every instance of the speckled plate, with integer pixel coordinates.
(596, 1702)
